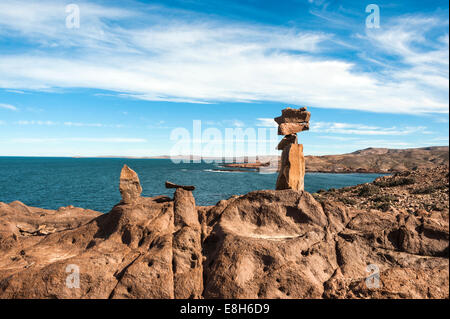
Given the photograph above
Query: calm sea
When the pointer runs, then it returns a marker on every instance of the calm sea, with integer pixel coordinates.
(94, 182)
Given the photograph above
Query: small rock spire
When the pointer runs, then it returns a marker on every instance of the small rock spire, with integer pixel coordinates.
(130, 187)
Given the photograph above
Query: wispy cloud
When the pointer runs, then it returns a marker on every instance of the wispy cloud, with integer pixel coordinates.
(421, 56)
(266, 122)
(47, 123)
(78, 139)
(16, 91)
(69, 124)
(233, 123)
(226, 123)
(362, 129)
(78, 124)
(212, 60)
(8, 107)
(161, 124)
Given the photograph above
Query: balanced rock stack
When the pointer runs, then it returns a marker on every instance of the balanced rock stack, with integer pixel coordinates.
(292, 171)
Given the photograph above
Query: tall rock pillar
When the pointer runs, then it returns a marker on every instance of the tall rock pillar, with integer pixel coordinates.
(292, 170)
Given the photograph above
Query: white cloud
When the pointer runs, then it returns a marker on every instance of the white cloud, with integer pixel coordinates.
(78, 139)
(78, 124)
(69, 124)
(266, 122)
(226, 123)
(209, 60)
(16, 91)
(361, 129)
(47, 123)
(423, 60)
(233, 123)
(8, 107)
(83, 124)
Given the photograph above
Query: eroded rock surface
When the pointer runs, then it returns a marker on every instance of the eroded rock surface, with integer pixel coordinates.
(265, 244)
(130, 187)
(187, 247)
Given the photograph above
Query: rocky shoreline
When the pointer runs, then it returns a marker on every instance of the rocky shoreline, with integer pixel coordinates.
(265, 244)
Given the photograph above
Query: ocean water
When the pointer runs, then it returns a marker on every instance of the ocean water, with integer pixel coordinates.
(94, 182)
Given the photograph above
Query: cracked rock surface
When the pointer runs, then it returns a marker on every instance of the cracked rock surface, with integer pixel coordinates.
(265, 244)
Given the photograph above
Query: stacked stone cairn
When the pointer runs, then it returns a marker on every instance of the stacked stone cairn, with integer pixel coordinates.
(292, 170)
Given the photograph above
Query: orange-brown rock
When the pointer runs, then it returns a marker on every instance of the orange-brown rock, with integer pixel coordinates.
(126, 253)
(130, 187)
(292, 128)
(265, 244)
(187, 247)
(292, 171)
(290, 115)
(284, 244)
(33, 224)
(269, 244)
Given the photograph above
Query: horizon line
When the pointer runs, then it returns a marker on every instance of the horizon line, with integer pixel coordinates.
(181, 156)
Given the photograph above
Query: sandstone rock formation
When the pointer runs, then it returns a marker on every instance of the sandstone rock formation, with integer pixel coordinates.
(187, 247)
(265, 244)
(292, 165)
(130, 187)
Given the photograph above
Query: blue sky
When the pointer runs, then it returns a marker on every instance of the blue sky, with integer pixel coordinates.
(135, 71)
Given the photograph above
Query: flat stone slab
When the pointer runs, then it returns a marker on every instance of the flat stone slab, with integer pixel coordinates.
(291, 128)
(185, 187)
(290, 115)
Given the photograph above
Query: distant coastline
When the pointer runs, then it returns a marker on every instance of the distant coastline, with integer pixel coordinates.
(369, 160)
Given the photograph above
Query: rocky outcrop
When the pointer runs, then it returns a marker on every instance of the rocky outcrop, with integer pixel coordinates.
(292, 165)
(380, 160)
(259, 248)
(421, 192)
(20, 221)
(265, 244)
(284, 244)
(130, 187)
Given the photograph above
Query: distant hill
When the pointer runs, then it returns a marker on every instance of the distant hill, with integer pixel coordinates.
(369, 160)
(380, 160)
